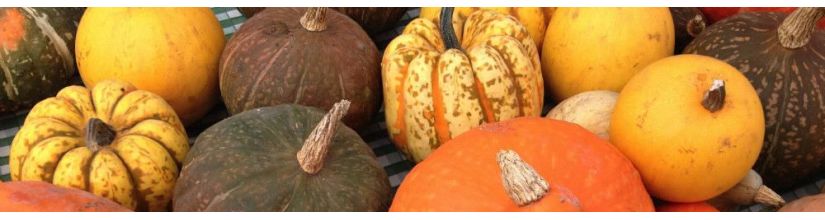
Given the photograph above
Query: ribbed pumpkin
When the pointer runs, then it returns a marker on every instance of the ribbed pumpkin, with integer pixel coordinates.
(435, 89)
(35, 196)
(534, 19)
(602, 48)
(114, 141)
(374, 20)
(783, 58)
(688, 22)
(282, 158)
(546, 165)
(172, 52)
(307, 56)
(36, 54)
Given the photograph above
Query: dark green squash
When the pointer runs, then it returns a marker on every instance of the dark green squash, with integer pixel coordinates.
(784, 58)
(374, 20)
(36, 54)
(259, 161)
(688, 22)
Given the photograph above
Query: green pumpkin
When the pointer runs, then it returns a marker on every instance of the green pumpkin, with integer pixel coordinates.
(250, 162)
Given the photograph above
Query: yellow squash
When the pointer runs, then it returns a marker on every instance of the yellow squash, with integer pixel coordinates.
(534, 19)
(601, 48)
(114, 141)
(434, 92)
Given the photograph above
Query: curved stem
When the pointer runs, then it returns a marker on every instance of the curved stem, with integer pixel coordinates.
(521, 182)
(312, 154)
(98, 134)
(315, 19)
(795, 31)
(767, 196)
(447, 30)
(714, 98)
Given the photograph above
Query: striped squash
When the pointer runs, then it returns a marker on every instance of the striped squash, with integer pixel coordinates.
(534, 19)
(435, 90)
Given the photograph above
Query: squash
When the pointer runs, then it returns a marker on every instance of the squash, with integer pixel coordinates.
(686, 207)
(114, 141)
(172, 52)
(591, 110)
(783, 58)
(693, 126)
(534, 19)
(374, 20)
(248, 162)
(602, 48)
(311, 57)
(748, 191)
(688, 22)
(36, 54)
(35, 196)
(572, 169)
(814, 203)
(716, 14)
(435, 89)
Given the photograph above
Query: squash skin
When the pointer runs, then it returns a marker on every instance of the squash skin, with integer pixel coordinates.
(274, 60)
(814, 203)
(794, 144)
(591, 110)
(172, 52)
(585, 49)
(253, 153)
(374, 20)
(684, 152)
(686, 207)
(25, 196)
(137, 170)
(534, 19)
(35, 61)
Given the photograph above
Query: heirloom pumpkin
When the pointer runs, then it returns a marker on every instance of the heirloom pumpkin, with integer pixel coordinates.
(688, 22)
(591, 110)
(602, 48)
(435, 89)
(306, 56)
(114, 141)
(35, 196)
(534, 19)
(691, 124)
(36, 54)
(374, 20)
(172, 52)
(783, 58)
(282, 158)
(524, 164)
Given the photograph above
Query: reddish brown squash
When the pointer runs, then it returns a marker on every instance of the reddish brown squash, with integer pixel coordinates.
(36, 196)
(686, 207)
(374, 20)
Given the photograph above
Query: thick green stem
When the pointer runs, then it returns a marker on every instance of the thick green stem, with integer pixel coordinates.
(447, 30)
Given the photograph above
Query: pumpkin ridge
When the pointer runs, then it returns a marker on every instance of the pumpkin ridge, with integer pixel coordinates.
(109, 115)
(87, 171)
(141, 202)
(59, 158)
(234, 48)
(442, 129)
(294, 190)
(484, 102)
(261, 75)
(163, 145)
(773, 146)
(512, 76)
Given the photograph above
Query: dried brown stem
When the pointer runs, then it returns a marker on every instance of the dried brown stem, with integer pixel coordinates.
(521, 182)
(312, 154)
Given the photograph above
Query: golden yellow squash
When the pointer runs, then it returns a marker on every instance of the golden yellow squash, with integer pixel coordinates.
(172, 52)
(601, 48)
(534, 19)
(114, 141)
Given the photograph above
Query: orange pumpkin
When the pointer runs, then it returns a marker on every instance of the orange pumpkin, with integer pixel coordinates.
(686, 207)
(37, 196)
(580, 172)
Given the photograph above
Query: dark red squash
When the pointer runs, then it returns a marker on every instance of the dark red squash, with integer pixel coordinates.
(37, 196)
(715, 14)
(311, 57)
(688, 22)
(686, 207)
(36, 54)
(374, 20)
(782, 56)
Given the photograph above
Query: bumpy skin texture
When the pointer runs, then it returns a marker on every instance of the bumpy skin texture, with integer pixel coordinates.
(172, 52)
(591, 110)
(582, 170)
(137, 170)
(685, 152)
(248, 162)
(432, 95)
(36, 54)
(274, 60)
(790, 85)
(32, 196)
(534, 19)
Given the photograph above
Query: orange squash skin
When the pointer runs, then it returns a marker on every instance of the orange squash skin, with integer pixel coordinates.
(584, 172)
(36, 196)
(686, 207)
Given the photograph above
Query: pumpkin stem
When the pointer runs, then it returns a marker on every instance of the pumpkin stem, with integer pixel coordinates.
(447, 30)
(715, 97)
(312, 154)
(315, 19)
(767, 196)
(795, 31)
(696, 25)
(521, 182)
(98, 134)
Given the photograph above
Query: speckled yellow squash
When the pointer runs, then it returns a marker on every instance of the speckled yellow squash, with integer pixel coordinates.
(534, 19)
(114, 141)
(435, 90)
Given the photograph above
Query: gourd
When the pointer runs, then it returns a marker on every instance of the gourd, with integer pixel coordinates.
(113, 140)
(436, 88)
(591, 110)
(693, 126)
(282, 158)
(35, 196)
(374, 20)
(311, 57)
(534, 19)
(782, 57)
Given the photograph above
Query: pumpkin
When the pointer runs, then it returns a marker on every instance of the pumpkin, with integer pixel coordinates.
(686, 207)
(692, 125)
(601, 48)
(248, 162)
(783, 58)
(374, 20)
(36, 54)
(572, 169)
(172, 52)
(35, 196)
(435, 89)
(748, 191)
(311, 57)
(715, 14)
(591, 110)
(814, 203)
(113, 140)
(688, 22)
(534, 19)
